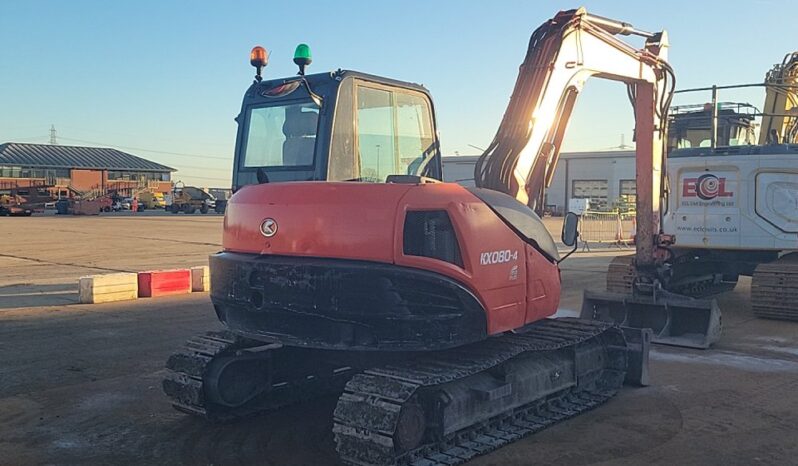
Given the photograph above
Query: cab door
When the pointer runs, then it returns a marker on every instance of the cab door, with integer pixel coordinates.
(382, 130)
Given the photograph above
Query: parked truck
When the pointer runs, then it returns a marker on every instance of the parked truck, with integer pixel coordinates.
(190, 199)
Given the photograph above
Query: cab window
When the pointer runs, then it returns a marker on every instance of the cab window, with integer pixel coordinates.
(386, 131)
(414, 131)
(376, 134)
(281, 135)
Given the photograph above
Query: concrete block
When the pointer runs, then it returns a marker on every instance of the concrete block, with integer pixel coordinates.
(200, 278)
(164, 283)
(108, 287)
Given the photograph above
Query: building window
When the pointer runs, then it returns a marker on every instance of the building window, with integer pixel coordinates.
(627, 195)
(22, 172)
(10, 172)
(628, 190)
(594, 190)
(628, 187)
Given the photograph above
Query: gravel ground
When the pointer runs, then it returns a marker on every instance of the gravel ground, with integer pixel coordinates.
(80, 384)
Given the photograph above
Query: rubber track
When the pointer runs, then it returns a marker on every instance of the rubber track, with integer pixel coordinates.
(621, 275)
(774, 289)
(183, 383)
(368, 411)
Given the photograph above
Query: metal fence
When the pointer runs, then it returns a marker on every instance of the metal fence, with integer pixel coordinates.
(612, 228)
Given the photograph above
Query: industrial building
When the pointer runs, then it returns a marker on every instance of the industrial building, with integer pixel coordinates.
(69, 170)
(607, 178)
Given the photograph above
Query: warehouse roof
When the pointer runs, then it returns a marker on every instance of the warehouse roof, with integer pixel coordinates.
(56, 156)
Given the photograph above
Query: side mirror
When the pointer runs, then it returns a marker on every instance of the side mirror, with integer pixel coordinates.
(570, 233)
(570, 229)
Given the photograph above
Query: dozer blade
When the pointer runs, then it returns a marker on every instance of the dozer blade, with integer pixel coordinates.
(676, 321)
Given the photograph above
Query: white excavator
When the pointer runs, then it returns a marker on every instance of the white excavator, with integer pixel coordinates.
(731, 210)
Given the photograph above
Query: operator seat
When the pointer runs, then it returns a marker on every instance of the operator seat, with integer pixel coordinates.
(300, 137)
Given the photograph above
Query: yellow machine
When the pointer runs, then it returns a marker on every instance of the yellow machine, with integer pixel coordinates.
(150, 200)
(780, 122)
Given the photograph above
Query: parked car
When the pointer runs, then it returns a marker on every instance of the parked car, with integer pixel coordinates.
(14, 211)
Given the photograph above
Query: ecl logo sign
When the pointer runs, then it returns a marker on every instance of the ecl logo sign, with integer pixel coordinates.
(705, 187)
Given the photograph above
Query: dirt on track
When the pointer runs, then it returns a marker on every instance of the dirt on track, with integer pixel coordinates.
(80, 384)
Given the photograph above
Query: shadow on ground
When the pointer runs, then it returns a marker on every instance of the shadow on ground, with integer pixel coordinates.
(30, 295)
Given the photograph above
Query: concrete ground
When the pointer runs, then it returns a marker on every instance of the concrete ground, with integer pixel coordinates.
(80, 384)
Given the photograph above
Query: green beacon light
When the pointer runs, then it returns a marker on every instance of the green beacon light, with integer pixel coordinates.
(302, 57)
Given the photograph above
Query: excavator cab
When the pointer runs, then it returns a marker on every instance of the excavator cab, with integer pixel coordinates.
(337, 126)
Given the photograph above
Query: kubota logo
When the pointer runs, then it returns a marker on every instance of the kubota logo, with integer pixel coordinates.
(706, 187)
(268, 228)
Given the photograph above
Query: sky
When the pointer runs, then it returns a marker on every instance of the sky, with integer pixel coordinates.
(164, 79)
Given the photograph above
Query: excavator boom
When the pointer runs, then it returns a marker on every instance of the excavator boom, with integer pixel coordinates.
(780, 121)
(563, 53)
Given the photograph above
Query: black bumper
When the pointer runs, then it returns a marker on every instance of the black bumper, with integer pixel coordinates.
(341, 304)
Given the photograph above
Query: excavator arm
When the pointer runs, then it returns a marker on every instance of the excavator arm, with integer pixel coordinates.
(563, 53)
(780, 120)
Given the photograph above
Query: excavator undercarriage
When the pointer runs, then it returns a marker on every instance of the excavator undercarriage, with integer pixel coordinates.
(222, 377)
(774, 289)
(431, 408)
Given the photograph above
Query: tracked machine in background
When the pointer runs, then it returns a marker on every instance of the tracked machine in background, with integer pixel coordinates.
(424, 304)
(774, 285)
(189, 200)
(732, 206)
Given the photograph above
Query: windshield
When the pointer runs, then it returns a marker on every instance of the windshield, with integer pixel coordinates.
(281, 136)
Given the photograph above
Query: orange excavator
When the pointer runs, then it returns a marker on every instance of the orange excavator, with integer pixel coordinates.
(349, 267)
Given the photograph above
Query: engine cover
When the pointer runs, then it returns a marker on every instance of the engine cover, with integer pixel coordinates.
(423, 258)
